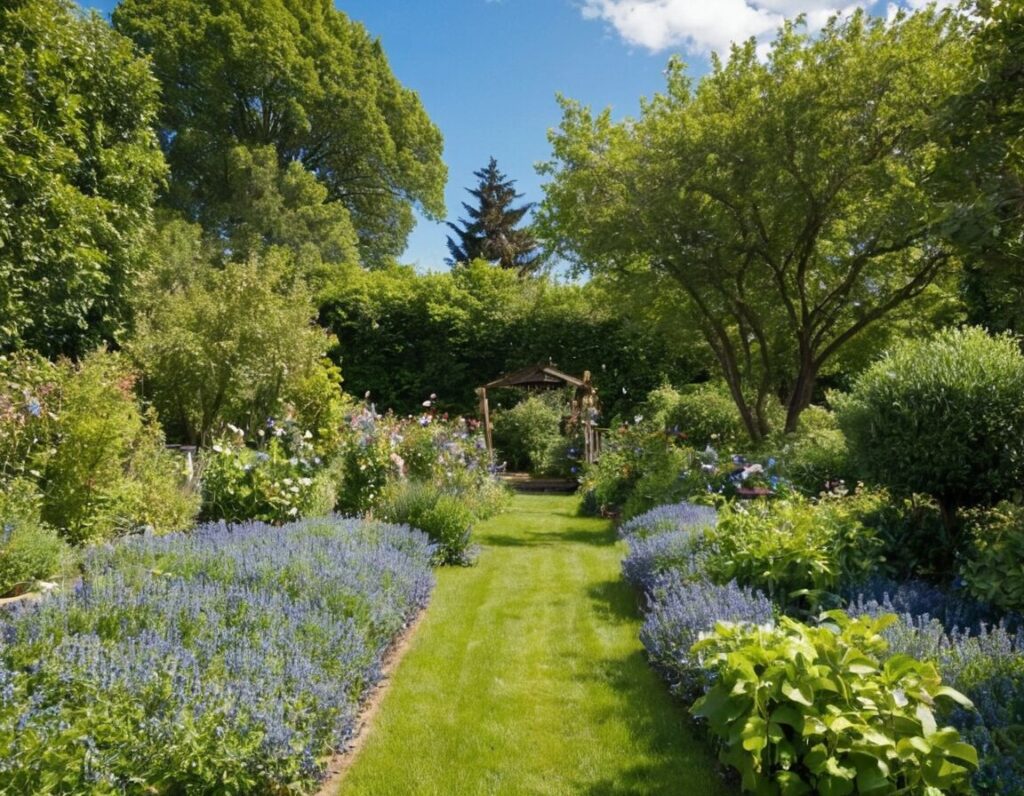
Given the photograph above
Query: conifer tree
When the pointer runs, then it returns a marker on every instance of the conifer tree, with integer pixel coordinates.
(492, 232)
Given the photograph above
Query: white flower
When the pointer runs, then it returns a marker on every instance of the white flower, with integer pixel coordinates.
(293, 511)
(308, 435)
(305, 481)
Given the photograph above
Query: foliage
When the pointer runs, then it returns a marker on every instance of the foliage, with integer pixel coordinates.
(782, 211)
(986, 168)
(817, 458)
(443, 517)
(524, 434)
(796, 551)
(943, 417)
(98, 461)
(680, 610)
(993, 570)
(985, 661)
(669, 518)
(300, 76)
(79, 169)
(282, 482)
(234, 345)
(702, 414)
(250, 648)
(408, 335)
(492, 231)
(801, 709)
(29, 548)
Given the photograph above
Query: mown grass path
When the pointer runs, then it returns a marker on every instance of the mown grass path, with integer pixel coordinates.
(526, 677)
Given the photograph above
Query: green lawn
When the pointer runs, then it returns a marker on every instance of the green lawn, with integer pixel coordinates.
(526, 677)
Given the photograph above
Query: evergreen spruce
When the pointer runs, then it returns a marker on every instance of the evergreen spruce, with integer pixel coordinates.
(492, 230)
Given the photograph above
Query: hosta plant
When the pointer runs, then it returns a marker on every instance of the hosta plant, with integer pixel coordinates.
(820, 710)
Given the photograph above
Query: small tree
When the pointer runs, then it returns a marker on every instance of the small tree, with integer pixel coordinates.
(492, 230)
(942, 417)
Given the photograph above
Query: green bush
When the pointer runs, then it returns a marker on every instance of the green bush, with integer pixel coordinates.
(107, 471)
(802, 710)
(795, 551)
(661, 481)
(525, 433)
(994, 568)
(444, 517)
(943, 417)
(29, 548)
(817, 457)
(274, 485)
(234, 345)
(703, 414)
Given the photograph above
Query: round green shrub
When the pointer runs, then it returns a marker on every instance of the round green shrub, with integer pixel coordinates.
(702, 413)
(943, 416)
(446, 518)
(525, 433)
(817, 456)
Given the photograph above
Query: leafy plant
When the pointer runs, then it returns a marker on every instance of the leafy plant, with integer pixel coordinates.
(796, 551)
(445, 518)
(29, 548)
(800, 709)
(525, 433)
(994, 567)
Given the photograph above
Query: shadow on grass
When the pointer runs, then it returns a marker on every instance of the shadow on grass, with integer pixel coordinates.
(614, 600)
(678, 758)
(599, 538)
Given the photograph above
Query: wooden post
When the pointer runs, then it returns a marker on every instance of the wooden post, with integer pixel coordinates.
(485, 411)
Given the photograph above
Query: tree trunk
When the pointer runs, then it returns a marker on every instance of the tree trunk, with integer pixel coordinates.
(802, 393)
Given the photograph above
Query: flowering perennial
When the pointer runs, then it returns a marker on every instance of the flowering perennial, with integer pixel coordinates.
(228, 660)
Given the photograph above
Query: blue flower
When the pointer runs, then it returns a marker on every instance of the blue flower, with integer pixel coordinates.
(34, 408)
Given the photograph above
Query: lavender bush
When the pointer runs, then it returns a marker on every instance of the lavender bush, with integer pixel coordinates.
(673, 517)
(984, 661)
(228, 661)
(679, 610)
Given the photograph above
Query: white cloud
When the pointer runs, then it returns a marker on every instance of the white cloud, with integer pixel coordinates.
(702, 26)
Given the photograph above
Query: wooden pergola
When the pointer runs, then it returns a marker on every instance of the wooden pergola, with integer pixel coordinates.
(548, 377)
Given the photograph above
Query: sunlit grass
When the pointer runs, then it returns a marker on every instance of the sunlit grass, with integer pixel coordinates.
(526, 677)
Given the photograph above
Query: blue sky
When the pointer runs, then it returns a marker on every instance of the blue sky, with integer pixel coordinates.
(488, 70)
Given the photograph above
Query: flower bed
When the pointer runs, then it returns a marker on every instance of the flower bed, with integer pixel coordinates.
(227, 660)
(706, 624)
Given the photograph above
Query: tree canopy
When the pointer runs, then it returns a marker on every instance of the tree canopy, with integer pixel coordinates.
(79, 168)
(492, 230)
(791, 199)
(299, 76)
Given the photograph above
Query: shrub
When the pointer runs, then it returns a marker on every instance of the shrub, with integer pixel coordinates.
(817, 458)
(703, 414)
(801, 709)
(445, 518)
(29, 548)
(942, 417)
(278, 484)
(993, 571)
(679, 610)
(234, 345)
(664, 519)
(251, 648)
(525, 433)
(797, 552)
(98, 460)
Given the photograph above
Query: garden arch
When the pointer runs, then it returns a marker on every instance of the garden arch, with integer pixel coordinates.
(584, 410)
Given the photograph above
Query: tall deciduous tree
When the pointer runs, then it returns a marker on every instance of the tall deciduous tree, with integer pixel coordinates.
(987, 164)
(789, 198)
(300, 76)
(492, 230)
(79, 168)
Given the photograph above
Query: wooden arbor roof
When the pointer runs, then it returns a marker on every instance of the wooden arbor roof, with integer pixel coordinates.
(538, 377)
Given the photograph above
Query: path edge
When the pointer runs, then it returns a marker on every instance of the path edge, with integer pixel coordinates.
(340, 764)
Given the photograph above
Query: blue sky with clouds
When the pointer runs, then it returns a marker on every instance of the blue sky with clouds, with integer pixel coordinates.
(488, 70)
